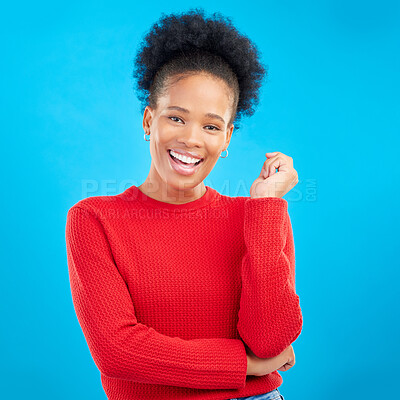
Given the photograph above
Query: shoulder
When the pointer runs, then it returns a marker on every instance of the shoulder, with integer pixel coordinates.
(99, 206)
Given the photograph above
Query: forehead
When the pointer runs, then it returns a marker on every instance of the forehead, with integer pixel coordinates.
(199, 92)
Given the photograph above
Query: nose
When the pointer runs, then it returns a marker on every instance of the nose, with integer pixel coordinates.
(191, 137)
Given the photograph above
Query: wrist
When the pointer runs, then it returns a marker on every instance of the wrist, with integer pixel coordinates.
(249, 366)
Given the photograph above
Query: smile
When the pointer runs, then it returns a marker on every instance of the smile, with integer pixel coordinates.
(182, 164)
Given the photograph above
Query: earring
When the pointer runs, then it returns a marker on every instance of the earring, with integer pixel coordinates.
(226, 153)
(146, 134)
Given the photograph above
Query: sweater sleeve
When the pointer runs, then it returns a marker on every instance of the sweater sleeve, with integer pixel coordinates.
(120, 346)
(270, 317)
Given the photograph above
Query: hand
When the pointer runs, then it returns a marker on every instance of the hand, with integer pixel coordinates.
(271, 183)
(263, 366)
(290, 359)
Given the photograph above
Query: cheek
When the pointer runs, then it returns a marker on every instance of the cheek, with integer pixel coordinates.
(159, 153)
(165, 135)
(215, 147)
(158, 144)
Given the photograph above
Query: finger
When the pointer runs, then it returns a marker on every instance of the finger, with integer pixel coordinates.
(274, 165)
(288, 159)
(268, 163)
(281, 162)
(264, 173)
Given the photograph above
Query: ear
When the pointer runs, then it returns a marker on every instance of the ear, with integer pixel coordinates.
(228, 136)
(147, 118)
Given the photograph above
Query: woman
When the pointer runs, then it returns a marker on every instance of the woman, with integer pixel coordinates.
(182, 292)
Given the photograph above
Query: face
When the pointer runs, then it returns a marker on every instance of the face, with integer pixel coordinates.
(191, 119)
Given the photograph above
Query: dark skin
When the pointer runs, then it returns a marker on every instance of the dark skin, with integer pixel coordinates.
(200, 125)
(204, 128)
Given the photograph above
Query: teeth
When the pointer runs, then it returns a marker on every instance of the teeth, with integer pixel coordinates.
(187, 160)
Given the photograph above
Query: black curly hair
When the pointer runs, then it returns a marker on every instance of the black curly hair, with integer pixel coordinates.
(188, 43)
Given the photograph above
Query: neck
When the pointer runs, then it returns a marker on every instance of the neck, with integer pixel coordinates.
(162, 191)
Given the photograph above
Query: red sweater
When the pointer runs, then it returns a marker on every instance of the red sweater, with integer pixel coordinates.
(166, 294)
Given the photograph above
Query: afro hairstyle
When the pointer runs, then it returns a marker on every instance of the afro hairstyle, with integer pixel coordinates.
(189, 42)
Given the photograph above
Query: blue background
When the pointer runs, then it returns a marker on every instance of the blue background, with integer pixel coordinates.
(71, 128)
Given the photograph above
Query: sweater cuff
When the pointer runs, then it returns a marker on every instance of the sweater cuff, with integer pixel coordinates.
(239, 374)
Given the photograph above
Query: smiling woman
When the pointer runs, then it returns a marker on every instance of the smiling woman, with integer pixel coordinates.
(182, 292)
(187, 132)
(195, 78)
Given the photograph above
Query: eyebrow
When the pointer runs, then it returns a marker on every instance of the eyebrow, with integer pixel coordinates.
(211, 115)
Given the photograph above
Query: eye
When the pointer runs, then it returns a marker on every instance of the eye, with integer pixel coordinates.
(211, 126)
(174, 117)
(214, 128)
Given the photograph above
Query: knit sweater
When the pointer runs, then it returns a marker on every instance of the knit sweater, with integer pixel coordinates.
(166, 294)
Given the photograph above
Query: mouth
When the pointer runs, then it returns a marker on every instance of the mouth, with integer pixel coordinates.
(183, 167)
